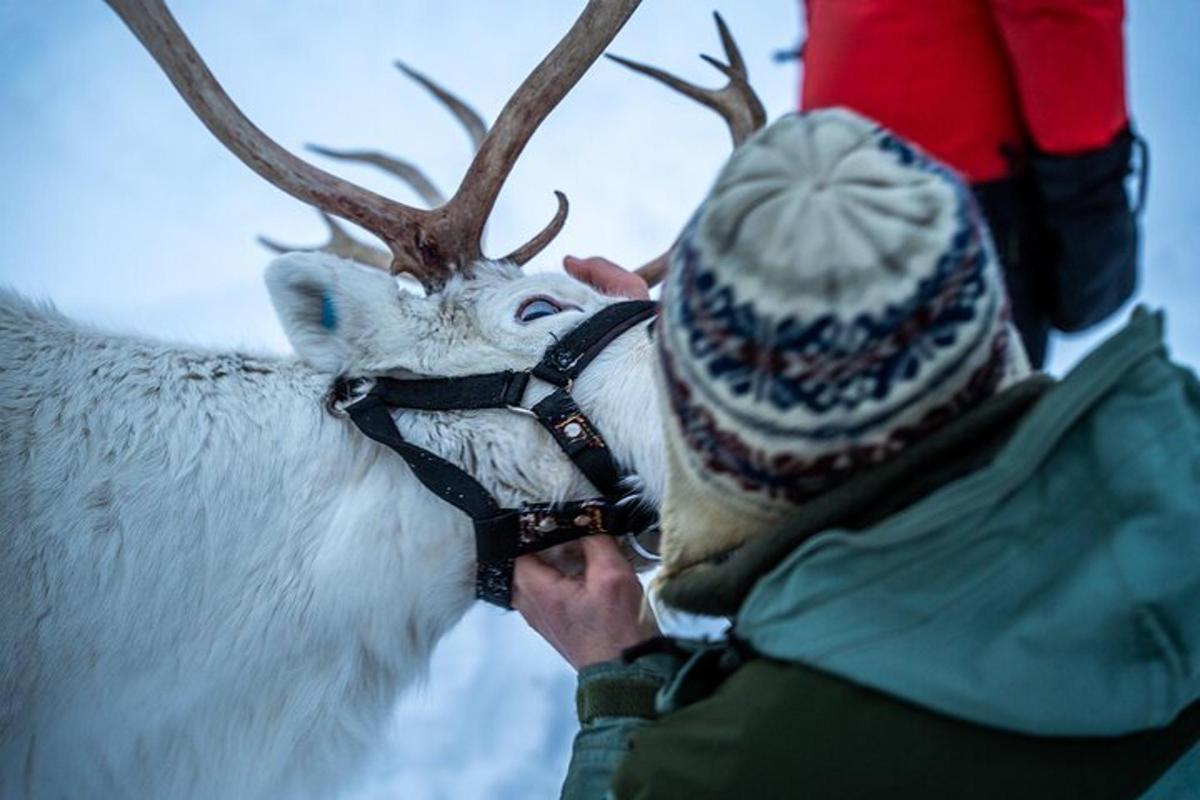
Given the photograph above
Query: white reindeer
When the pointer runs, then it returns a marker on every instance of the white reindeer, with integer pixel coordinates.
(212, 585)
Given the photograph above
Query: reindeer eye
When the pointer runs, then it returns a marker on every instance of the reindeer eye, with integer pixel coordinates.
(538, 307)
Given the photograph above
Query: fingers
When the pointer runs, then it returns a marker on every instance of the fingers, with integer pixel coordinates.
(596, 272)
(602, 555)
(587, 620)
(532, 576)
(586, 269)
(537, 584)
(607, 277)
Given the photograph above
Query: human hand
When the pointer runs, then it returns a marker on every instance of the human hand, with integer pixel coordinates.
(587, 618)
(606, 277)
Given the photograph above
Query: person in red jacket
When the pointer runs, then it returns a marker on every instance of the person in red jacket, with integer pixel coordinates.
(1025, 98)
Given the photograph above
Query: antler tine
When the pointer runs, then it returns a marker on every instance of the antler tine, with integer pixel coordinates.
(653, 272)
(468, 117)
(523, 254)
(401, 227)
(736, 102)
(732, 51)
(340, 243)
(537, 96)
(406, 171)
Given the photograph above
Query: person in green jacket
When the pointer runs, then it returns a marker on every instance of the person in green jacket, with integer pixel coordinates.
(946, 575)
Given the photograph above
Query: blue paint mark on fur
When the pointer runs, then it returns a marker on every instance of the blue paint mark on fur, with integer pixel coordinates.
(329, 320)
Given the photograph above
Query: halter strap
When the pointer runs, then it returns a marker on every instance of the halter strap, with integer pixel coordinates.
(562, 362)
(566, 358)
(501, 534)
(578, 438)
(490, 390)
(439, 476)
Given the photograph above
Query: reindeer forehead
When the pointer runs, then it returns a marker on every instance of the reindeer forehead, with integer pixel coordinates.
(495, 282)
(486, 278)
(490, 282)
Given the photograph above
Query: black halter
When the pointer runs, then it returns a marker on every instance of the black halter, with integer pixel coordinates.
(503, 534)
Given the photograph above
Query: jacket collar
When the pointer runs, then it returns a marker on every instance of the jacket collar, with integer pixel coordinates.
(719, 586)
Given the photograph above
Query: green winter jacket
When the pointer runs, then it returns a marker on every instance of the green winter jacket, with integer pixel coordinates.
(1009, 609)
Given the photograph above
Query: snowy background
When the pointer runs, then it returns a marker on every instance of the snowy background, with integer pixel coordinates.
(121, 208)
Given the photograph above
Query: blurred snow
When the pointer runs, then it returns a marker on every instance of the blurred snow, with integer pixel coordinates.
(118, 205)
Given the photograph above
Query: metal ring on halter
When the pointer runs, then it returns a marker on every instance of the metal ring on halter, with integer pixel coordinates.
(640, 548)
(346, 392)
(528, 412)
(522, 410)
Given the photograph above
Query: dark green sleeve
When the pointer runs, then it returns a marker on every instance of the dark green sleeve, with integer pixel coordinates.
(613, 700)
(776, 731)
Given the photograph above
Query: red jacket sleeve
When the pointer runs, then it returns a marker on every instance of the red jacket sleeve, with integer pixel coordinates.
(1068, 58)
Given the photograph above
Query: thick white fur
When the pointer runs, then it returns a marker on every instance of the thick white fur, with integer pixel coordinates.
(210, 586)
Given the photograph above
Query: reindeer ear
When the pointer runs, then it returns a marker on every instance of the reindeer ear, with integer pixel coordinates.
(332, 310)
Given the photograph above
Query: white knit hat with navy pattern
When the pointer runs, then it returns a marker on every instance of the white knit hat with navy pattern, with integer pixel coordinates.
(834, 298)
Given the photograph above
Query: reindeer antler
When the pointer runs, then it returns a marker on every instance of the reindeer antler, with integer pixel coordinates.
(340, 242)
(406, 171)
(736, 102)
(470, 119)
(428, 244)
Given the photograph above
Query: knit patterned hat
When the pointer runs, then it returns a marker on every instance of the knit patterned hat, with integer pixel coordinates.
(834, 298)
